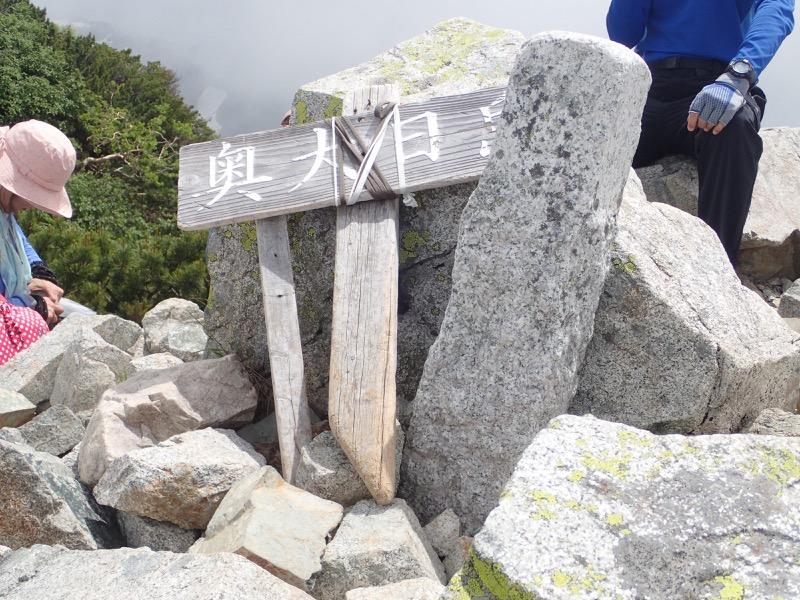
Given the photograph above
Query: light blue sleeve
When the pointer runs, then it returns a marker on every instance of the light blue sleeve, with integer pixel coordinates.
(30, 253)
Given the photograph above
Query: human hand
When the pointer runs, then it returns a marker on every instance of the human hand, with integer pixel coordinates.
(54, 311)
(717, 103)
(46, 289)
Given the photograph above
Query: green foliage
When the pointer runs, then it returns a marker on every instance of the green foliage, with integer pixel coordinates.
(122, 252)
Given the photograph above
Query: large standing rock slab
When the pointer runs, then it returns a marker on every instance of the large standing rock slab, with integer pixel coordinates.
(154, 405)
(771, 236)
(671, 355)
(531, 259)
(44, 572)
(455, 57)
(603, 510)
(276, 525)
(42, 503)
(182, 480)
(32, 373)
(376, 545)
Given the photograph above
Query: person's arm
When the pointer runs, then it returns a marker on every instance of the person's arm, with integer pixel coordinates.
(772, 22)
(626, 21)
(30, 253)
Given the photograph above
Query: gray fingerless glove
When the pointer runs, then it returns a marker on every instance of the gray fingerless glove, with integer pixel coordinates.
(718, 102)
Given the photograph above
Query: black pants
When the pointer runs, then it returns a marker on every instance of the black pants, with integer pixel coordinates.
(727, 163)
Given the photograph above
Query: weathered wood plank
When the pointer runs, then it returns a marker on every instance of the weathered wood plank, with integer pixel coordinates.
(428, 144)
(283, 337)
(362, 392)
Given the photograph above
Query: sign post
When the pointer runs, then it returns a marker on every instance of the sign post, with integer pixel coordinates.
(265, 176)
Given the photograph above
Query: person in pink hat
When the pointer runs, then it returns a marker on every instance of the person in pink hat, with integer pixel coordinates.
(36, 160)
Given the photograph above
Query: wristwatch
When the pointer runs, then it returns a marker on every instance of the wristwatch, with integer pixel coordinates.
(741, 68)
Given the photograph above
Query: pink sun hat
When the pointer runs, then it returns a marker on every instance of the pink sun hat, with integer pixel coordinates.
(36, 160)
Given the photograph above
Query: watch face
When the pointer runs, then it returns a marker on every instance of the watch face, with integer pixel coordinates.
(741, 67)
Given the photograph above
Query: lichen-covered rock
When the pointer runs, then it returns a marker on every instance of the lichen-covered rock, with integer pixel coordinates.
(666, 354)
(457, 56)
(136, 574)
(532, 256)
(602, 510)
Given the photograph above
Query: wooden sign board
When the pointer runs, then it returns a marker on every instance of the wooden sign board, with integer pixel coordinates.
(429, 144)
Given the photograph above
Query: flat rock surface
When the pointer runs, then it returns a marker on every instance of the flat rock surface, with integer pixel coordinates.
(602, 510)
(44, 572)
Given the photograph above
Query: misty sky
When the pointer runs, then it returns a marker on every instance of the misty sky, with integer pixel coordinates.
(240, 62)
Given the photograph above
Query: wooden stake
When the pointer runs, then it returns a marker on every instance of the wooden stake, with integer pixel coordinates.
(362, 393)
(283, 337)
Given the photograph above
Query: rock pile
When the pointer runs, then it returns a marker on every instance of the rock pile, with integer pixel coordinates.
(130, 466)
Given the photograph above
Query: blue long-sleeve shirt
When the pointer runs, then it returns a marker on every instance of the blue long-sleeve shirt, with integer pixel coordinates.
(32, 257)
(721, 30)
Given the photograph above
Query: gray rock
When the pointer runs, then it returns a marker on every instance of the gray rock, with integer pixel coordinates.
(603, 510)
(421, 588)
(774, 421)
(175, 326)
(33, 372)
(789, 308)
(11, 434)
(142, 532)
(457, 557)
(182, 480)
(325, 471)
(70, 460)
(276, 525)
(44, 572)
(376, 545)
(457, 56)
(152, 406)
(42, 503)
(5, 551)
(14, 409)
(443, 531)
(769, 241)
(56, 431)
(89, 367)
(160, 360)
(531, 259)
(669, 356)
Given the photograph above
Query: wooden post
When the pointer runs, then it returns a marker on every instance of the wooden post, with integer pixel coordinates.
(362, 394)
(283, 337)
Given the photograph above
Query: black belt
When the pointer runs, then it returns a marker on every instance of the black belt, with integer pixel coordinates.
(683, 62)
